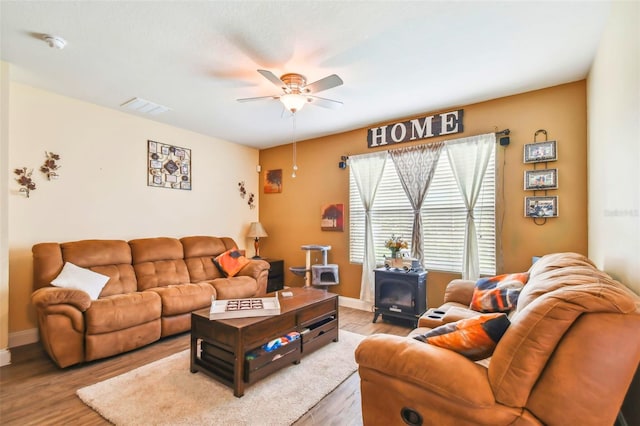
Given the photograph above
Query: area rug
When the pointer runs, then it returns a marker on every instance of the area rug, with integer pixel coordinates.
(166, 393)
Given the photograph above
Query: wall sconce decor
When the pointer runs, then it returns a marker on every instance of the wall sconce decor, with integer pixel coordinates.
(24, 180)
(243, 193)
(49, 167)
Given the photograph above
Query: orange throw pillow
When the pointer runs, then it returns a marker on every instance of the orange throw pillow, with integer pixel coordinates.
(499, 293)
(475, 338)
(231, 262)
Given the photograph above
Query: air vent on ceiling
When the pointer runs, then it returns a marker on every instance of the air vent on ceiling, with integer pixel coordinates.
(144, 106)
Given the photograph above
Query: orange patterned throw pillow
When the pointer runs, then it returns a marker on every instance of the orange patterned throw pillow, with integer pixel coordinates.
(475, 338)
(230, 262)
(498, 294)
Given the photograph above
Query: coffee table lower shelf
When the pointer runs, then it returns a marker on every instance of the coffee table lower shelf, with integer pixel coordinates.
(219, 347)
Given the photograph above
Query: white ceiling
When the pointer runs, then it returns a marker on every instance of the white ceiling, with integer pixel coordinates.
(397, 58)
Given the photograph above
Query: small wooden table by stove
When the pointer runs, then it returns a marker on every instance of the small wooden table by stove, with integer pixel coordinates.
(219, 347)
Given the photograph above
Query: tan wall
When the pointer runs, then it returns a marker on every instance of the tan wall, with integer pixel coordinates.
(102, 191)
(292, 218)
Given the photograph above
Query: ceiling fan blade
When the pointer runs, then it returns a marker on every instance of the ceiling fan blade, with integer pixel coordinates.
(272, 78)
(328, 82)
(324, 103)
(259, 98)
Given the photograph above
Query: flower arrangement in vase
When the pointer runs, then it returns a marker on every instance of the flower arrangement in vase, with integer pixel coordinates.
(395, 244)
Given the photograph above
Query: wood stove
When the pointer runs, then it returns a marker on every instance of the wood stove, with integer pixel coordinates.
(400, 294)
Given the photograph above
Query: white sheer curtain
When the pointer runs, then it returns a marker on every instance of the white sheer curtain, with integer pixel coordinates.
(367, 172)
(415, 166)
(469, 158)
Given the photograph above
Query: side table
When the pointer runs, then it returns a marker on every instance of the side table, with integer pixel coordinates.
(275, 281)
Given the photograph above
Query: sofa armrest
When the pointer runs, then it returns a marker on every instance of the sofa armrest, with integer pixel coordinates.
(459, 291)
(434, 369)
(48, 296)
(257, 269)
(254, 268)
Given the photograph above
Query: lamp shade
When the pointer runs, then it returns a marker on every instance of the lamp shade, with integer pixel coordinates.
(256, 230)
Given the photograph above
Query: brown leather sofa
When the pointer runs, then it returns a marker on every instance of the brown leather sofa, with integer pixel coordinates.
(154, 285)
(567, 358)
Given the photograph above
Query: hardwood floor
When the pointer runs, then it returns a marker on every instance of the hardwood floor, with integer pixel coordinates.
(33, 391)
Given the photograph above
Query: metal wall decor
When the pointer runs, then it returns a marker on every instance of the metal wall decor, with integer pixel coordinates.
(50, 166)
(24, 180)
(540, 207)
(169, 166)
(243, 193)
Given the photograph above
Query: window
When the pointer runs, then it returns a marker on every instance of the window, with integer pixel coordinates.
(443, 218)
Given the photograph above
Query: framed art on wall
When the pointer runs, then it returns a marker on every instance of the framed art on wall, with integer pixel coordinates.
(541, 206)
(169, 166)
(537, 180)
(332, 218)
(273, 181)
(540, 152)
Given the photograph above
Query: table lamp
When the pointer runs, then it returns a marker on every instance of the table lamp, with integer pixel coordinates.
(256, 230)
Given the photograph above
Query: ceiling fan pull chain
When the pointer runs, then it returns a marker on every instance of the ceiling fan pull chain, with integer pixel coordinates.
(295, 165)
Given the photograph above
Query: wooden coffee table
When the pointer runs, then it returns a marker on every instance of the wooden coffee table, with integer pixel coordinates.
(219, 348)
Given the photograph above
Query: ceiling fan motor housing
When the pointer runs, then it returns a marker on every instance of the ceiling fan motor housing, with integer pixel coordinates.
(294, 83)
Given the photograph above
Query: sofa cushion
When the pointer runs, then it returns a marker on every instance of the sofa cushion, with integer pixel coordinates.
(78, 278)
(475, 338)
(230, 262)
(199, 253)
(122, 311)
(184, 298)
(106, 257)
(499, 293)
(158, 262)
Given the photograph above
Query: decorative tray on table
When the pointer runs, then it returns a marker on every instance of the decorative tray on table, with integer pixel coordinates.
(244, 308)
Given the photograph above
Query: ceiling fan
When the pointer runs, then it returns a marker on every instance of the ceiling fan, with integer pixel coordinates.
(296, 93)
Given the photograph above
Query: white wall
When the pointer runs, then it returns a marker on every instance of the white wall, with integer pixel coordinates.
(614, 147)
(102, 191)
(5, 356)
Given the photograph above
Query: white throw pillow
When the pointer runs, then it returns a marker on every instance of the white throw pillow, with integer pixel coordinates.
(78, 278)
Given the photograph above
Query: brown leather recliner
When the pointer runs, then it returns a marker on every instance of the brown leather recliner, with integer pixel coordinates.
(567, 358)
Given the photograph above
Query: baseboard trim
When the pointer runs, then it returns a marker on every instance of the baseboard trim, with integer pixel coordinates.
(5, 357)
(24, 337)
(350, 302)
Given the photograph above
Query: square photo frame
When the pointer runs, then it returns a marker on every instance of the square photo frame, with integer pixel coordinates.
(540, 180)
(541, 206)
(168, 166)
(540, 152)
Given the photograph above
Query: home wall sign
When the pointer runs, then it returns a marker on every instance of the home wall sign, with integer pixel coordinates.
(431, 126)
(169, 166)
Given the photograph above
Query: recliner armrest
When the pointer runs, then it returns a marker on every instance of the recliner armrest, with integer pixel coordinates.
(459, 291)
(47, 296)
(437, 370)
(254, 268)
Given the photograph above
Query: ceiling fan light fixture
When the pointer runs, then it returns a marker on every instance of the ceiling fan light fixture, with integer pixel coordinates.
(293, 101)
